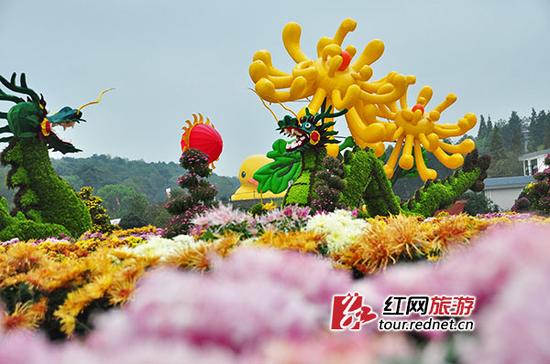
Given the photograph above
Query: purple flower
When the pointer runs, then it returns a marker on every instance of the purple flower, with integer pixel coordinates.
(254, 295)
(510, 286)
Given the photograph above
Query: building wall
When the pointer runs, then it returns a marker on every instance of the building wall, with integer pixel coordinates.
(529, 163)
(504, 197)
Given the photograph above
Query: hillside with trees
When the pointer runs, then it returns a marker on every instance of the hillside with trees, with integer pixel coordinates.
(506, 140)
(127, 187)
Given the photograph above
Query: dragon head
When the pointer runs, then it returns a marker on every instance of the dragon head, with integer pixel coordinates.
(29, 118)
(311, 130)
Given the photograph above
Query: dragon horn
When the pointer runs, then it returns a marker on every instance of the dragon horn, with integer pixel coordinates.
(21, 89)
(324, 105)
(96, 101)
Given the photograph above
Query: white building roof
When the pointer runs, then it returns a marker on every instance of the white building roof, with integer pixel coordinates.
(507, 182)
(534, 154)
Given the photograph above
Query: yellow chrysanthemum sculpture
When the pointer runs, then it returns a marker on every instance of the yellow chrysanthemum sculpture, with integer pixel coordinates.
(374, 115)
(417, 128)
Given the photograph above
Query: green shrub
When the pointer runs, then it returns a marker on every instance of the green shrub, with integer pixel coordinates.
(101, 222)
(298, 192)
(366, 183)
(50, 195)
(535, 197)
(441, 194)
(18, 227)
(26, 230)
(131, 221)
(478, 203)
(198, 194)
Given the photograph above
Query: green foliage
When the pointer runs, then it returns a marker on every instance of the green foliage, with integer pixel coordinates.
(198, 194)
(298, 192)
(496, 143)
(478, 203)
(358, 175)
(301, 191)
(367, 184)
(100, 219)
(19, 178)
(361, 180)
(28, 198)
(49, 195)
(482, 131)
(504, 140)
(257, 209)
(156, 215)
(150, 179)
(536, 130)
(439, 195)
(120, 200)
(27, 230)
(19, 227)
(277, 175)
(504, 156)
(514, 134)
(131, 221)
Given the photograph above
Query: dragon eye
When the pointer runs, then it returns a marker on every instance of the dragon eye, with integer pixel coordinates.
(307, 125)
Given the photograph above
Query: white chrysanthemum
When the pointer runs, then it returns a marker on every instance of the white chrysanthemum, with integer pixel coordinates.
(339, 227)
(249, 242)
(163, 248)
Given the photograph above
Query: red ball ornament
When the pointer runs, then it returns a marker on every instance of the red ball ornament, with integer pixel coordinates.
(202, 136)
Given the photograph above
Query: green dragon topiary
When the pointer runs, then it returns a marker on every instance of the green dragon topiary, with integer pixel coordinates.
(300, 163)
(43, 198)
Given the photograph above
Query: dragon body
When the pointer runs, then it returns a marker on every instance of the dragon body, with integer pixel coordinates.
(47, 202)
(302, 163)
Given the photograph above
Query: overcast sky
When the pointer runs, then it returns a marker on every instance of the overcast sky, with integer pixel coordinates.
(169, 59)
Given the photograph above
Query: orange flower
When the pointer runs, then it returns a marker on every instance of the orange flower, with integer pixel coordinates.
(303, 241)
(192, 257)
(26, 315)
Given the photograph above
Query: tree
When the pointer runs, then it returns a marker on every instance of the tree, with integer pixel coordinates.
(131, 221)
(157, 215)
(489, 125)
(515, 137)
(100, 219)
(121, 200)
(150, 179)
(503, 162)
(535, 132)
(478, 203)
(482, 132)
(544, 118)
(197, 196)
(496, 144)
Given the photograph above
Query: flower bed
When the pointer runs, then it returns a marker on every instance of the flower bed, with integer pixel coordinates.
(255, 289)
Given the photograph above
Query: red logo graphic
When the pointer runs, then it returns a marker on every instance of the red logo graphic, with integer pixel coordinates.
(349, 312)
